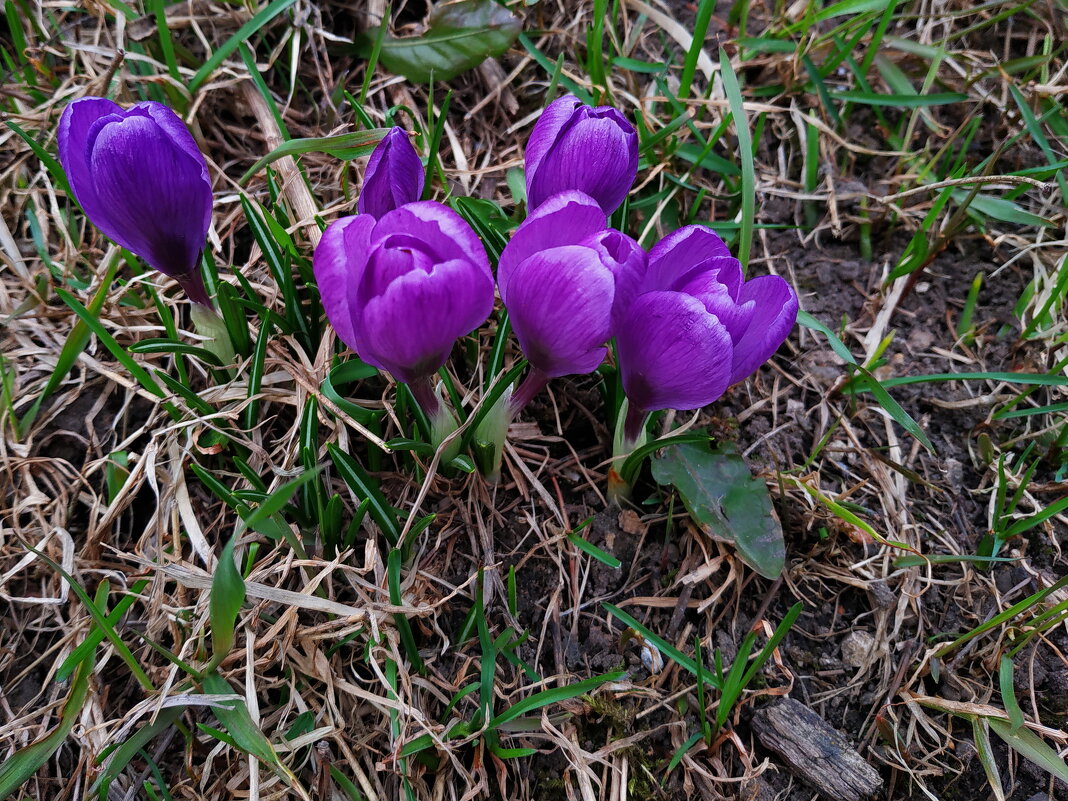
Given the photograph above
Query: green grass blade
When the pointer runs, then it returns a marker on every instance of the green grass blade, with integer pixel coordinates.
(343, 146)
(554, 696)
(231, 44)
(24, 763)
(745, 155)
(1030, 746)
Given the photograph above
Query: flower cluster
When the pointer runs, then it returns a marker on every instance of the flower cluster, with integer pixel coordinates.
(404, 278)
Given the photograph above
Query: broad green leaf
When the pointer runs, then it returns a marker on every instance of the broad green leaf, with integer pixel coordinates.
(720, 492)
(459, 37)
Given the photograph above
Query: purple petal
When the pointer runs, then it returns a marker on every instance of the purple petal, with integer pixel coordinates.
(722, 301)
(546, 130)
(595, 153)
(439, 230)
(560, 305)
(338, 264)
(678, 255)
(626, 259)
(568, 218)
(171, 124)
(154, 197)
(409, 330)
(673, 354)
(78, 117)
(775, 314)
(394, 175)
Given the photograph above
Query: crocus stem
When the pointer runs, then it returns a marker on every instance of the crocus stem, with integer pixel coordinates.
(534, 383)
(442, 420)
(193, 284)
(630, 434)
(634, 425)
(423, 390)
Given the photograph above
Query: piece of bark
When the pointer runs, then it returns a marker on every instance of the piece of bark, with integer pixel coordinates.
(815, 751)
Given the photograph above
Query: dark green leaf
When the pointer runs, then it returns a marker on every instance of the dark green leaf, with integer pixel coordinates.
(720, 492)
(459, 37)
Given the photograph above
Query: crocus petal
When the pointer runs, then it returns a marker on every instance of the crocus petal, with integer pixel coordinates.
(546, 130)
(626, 259)
(673, 354)
(596, 154)
(559, 302)
(568, 218)
(178, 133)
(154, 199)
(679, 254)
(78, 118)
(409, 330)
(440, 230)
(721, 301)
(338, 264)
(171, 125)
(394, 175)
(774, 316)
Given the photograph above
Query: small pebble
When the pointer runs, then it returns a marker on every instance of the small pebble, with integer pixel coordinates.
(857, 648)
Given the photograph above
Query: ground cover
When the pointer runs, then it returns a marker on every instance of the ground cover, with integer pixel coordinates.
(395, 627)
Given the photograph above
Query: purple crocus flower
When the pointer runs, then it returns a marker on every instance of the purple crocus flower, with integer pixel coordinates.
(400, 289)
(394, 175)
(576, 147)
(140, 178)
(697, 326)
(564, 279)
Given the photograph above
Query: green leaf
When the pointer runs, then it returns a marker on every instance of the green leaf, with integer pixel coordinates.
(839, 347)
(231, 44)
(899, 101)
(459, 37)
(120, 757)
(894, 409)
(234, 717)
(720, 492)
(1002, 209)
(588, 547)
(366, 489)
(1029, 745)
(24, 763)
(227, 595)
(343, 146)
(553, 695)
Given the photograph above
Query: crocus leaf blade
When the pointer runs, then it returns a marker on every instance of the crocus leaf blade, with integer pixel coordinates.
(721, 493)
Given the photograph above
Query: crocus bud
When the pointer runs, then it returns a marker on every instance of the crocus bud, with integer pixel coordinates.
(564, 277)
(697, 326)
(400, 289)
(394, 175)
(576, 147)
(140, 178)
